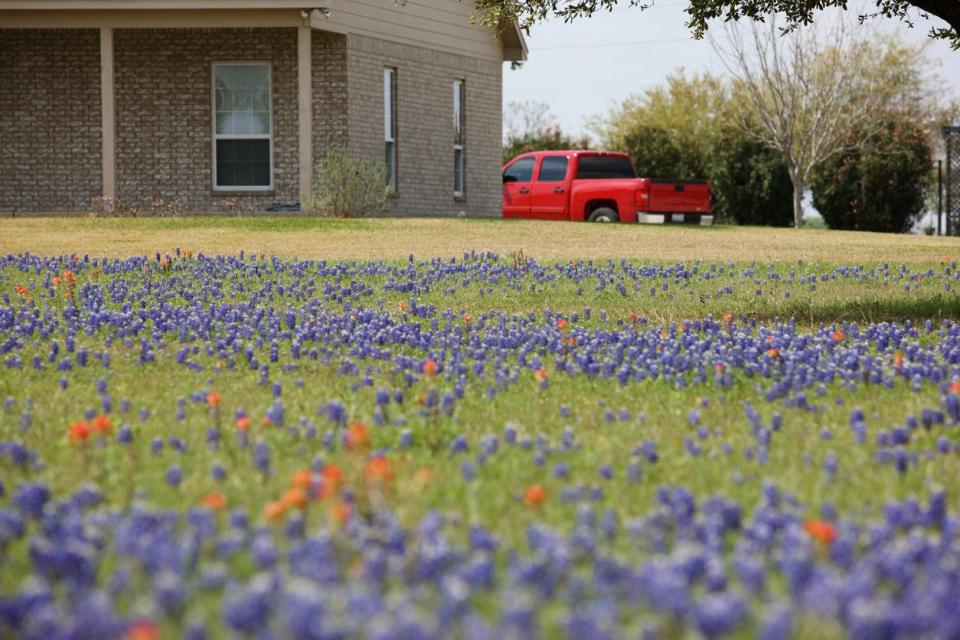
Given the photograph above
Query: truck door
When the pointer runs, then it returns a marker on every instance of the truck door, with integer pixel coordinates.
(548, 194)
(516, 188)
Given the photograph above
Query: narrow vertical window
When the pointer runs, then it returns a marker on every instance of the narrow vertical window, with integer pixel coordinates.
(243, 127)
(390, 124)
(459, 138)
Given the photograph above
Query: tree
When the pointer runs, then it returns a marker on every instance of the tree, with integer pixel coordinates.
(685, 130)
(751, 184)
(531, 127)
(801, 93)
(667, 130)
(796, 12)
(880, 186)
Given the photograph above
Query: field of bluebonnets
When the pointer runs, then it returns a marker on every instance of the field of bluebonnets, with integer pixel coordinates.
(490, 446)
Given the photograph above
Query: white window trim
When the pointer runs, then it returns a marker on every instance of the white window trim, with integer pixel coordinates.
(459, 95)
(390, 125)
(213, 123)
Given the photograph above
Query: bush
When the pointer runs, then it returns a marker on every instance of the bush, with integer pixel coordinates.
(879, 188)
(112, 207)
(347, 187)
(550, 138)
(657, 153)
(750, 181)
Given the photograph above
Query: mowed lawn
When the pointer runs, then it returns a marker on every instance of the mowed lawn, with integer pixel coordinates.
(396, 239)
(305, 428)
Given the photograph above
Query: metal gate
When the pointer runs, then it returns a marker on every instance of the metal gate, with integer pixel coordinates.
(951, 182)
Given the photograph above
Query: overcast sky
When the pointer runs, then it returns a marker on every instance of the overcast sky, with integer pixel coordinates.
(582, 68)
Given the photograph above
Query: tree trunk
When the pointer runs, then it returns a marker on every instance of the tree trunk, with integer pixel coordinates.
(948, 10)
(798, 189)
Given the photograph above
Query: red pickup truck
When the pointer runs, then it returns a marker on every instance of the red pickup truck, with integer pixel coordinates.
(598, 186)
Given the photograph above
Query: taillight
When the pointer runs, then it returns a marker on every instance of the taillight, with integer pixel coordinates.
(642, 198)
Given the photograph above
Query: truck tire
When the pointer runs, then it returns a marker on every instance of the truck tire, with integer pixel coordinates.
(604, 214)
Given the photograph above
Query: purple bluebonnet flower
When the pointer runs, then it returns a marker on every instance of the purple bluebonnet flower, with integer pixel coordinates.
(261, 456)
(460, 445)
(174, 476)
(30, 498)
(169, 593)
(125, 434)
(247, 609)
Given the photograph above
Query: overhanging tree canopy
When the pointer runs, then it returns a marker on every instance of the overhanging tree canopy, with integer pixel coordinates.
(701, 12)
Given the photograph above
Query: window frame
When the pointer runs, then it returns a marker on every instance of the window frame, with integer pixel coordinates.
(390, 136)
(218, 136)
(459, 135)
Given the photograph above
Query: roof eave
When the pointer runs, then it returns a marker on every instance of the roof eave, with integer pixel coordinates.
(514, 44)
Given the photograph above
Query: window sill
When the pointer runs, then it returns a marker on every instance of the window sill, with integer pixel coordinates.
(239, 193)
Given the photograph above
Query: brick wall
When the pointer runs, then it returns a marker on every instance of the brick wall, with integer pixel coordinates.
(425, 124)
(49, 120)
(164, 120)
(50, 117)
(329, 92)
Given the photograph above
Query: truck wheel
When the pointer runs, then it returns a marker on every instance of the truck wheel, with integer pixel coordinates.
(604, 214)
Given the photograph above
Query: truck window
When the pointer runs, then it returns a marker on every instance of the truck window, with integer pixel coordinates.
(553, 169)
(598, 167)
(520, 171)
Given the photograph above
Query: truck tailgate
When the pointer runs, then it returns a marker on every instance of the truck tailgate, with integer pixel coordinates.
(671, 196)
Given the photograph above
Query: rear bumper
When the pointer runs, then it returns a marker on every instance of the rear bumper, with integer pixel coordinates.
(680, 218)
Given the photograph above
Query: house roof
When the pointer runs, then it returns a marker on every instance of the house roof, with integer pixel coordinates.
(349, 16)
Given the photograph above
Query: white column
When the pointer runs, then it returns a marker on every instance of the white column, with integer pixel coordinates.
(305, 110)
(107, 113)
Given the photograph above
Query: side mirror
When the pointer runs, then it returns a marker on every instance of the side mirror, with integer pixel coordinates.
(508, 178)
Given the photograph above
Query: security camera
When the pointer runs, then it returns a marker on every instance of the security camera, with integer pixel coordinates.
(306, 13)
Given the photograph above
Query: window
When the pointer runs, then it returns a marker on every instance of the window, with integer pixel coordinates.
(390, 124)
(519, 171)
(594, 167)
(553, 169)
(459, 126)
(243, 129)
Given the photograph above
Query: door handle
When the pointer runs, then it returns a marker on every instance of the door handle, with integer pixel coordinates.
(558, 190)
(524, 190)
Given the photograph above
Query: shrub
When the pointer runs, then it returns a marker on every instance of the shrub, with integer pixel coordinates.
(750, 181)
(657, 153)
(111, 206)
(347, 187)
(880, 187)
(167, 207)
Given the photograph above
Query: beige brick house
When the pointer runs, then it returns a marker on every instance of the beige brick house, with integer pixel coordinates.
(221, 101)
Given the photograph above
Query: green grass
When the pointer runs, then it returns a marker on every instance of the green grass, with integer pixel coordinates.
(157, 387)
(428, 475)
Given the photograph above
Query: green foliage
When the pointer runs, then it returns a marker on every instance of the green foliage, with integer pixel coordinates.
(882, 186)
(684, 131)
(667, 130)
(657, 153)
(550, 138)
(751, 184)
(348, 187)
(496, 13)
